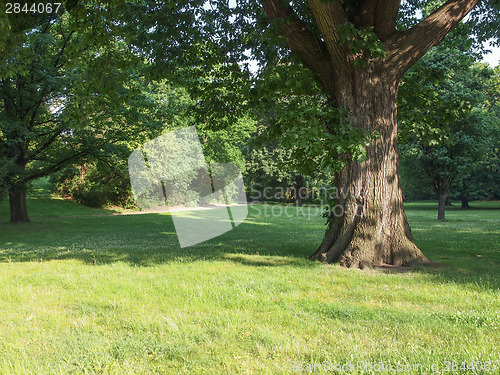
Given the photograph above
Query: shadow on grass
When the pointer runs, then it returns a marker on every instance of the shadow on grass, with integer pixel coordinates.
(467, 269)
(149, 239)
(433, 206)
(468, 246)
(465, 249)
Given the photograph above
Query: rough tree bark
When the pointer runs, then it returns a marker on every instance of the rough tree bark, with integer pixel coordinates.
(18, 207)
(372, 228)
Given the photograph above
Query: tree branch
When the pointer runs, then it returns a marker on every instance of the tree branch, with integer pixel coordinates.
(47, 143)
(301, 39)
(386, 14)
(55, 167)
(329, 16)
(86, 151)
(61, 52)
(379, 14)
(42, 123)
(405, 48)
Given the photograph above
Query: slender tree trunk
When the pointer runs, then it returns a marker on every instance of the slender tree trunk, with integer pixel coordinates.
(18, 207)
(465, 203)
(448, 202)
(368, 225)
(442, 194)
(299, 184)
(464, 196)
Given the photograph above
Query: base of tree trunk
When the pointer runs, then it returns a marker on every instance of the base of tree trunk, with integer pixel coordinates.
(360, 246)
(18, 207)
(368, 226)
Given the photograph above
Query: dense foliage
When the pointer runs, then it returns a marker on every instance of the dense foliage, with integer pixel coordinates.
(449, 127)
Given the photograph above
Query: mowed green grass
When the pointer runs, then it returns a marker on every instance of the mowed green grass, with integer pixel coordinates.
(117, 295)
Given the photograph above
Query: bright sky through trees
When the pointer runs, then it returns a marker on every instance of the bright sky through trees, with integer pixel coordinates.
(492, 58)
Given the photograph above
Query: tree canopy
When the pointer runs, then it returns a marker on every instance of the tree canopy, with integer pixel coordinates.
(64, 97)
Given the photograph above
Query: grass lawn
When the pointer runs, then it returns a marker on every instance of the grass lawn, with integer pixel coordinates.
(117, 295)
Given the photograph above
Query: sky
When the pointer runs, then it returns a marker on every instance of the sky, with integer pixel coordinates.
(493, 57)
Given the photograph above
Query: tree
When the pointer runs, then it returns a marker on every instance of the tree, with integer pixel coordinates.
(66, 92)
(453, 159)
(359, 55)
(445, 128)
(484, 180)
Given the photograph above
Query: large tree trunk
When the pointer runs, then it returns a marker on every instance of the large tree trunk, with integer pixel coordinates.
(368, 225)
(18, 207)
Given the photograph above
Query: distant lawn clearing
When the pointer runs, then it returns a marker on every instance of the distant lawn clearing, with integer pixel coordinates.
(116, 295)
